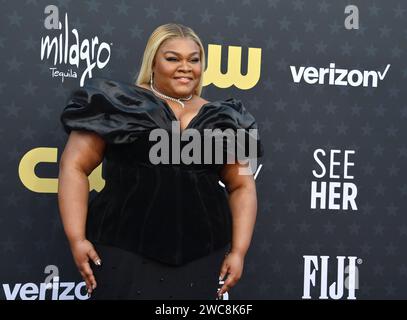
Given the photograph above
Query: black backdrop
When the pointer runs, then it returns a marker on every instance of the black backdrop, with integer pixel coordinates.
(293, 242)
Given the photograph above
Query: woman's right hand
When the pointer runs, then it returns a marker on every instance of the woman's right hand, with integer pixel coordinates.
(83, 251)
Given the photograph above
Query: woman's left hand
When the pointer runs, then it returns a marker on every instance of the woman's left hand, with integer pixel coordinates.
(232, 266)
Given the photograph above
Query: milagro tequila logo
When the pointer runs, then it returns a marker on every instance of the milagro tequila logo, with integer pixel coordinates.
(65, 53)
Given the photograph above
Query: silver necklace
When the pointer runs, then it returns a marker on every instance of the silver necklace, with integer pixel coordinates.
(167, 97)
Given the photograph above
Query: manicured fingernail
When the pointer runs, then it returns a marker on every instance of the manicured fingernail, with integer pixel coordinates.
(94, 286)
(98, 262)
(220, 278)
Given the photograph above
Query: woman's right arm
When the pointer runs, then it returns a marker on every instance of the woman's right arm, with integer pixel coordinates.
(83, 152)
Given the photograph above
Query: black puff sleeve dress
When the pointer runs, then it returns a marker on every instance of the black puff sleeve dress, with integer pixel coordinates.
(161, 230)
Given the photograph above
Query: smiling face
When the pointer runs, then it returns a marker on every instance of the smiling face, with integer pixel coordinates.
(177, 67)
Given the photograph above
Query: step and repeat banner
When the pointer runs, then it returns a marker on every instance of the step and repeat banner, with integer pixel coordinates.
(325, 81)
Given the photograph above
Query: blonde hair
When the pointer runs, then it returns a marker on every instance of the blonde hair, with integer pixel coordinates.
(159, 35)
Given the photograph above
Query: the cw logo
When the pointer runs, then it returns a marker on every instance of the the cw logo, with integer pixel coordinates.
(233, 76)
(34, 157)
(26, 172)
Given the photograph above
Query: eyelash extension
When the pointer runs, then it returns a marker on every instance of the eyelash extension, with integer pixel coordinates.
(172, 59)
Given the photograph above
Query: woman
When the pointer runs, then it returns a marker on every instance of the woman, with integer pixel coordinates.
(155, 231)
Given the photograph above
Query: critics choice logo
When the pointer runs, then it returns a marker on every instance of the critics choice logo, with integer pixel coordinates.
(69, 50)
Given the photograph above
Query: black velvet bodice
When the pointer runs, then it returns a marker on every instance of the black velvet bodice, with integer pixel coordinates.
(173, 213)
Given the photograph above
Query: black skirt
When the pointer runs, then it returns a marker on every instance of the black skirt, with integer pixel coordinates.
(125, 275)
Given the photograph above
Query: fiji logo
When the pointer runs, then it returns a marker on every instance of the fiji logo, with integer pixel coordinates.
(317, 275)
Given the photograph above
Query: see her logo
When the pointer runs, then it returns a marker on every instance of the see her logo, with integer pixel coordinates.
(332, 193)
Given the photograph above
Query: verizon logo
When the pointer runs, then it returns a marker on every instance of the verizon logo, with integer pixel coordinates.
(338, 77)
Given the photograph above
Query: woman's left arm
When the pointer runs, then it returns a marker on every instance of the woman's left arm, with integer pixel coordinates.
(243, 205)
